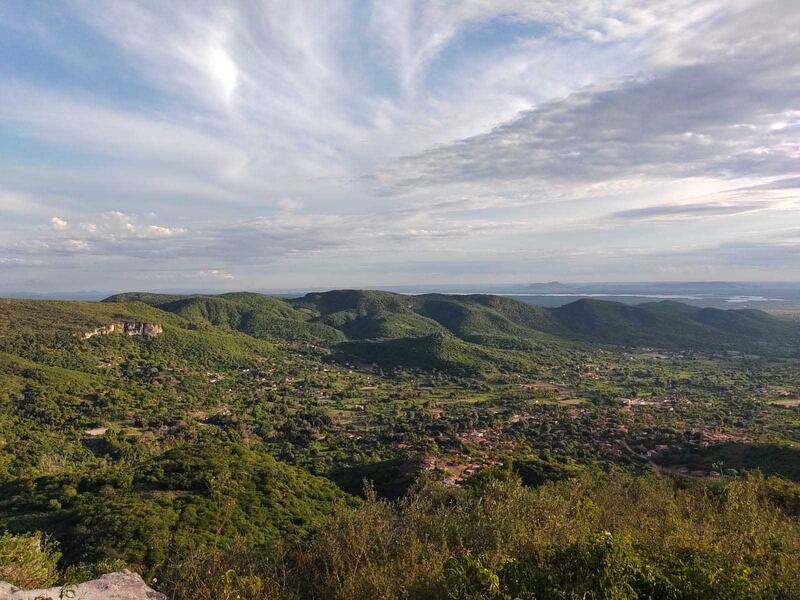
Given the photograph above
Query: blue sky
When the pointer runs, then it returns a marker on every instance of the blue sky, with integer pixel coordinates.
(267, 145)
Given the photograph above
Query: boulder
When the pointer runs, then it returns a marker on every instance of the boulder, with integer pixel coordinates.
(122, 585)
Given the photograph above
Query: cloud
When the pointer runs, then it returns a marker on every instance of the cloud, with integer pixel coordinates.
(715, 117)
(224, 71)
(119, 226)
(21, 262)
(261, 240)
(751, 255)
(112, 234)
(382, 138)
(212, 274)
(74, 246)
(687, 123)
(58, 224)
(787, 183)
(84, 124)
(688, 211)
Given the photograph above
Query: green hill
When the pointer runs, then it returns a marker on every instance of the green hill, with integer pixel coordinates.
(173, 502)
(489, 320)
(359, 301)
(506, 323)
(674, 325)
(19, 317)
(485, 321)
(437, 351)
(365, 314)
(254, 314)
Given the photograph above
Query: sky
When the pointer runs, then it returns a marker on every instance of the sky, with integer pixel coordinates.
(297, 144)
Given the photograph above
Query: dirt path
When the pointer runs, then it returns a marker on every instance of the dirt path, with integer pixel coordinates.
(657, 469)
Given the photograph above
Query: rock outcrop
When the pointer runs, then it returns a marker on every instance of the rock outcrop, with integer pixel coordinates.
(127, 328)
(122, 585)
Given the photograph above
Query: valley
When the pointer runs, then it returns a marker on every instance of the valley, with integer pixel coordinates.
(248, 419)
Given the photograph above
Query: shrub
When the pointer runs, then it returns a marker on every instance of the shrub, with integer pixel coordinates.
(597, 536)
(28, 560)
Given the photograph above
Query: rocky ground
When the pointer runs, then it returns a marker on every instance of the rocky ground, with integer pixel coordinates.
(122, 585)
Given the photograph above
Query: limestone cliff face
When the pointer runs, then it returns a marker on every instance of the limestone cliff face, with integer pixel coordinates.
(122, 585)
(141, 328)
(127, 328)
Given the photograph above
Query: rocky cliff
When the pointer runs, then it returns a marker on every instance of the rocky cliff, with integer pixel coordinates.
(122, 585)
(127, 328)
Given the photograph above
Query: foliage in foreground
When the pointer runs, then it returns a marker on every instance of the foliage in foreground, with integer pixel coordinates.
(598, 536)
(28, 560)
(181, 498)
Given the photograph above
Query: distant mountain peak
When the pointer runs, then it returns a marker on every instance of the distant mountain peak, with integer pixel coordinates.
(550, 286)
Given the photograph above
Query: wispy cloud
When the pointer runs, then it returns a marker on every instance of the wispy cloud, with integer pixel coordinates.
(687, 211)
(403, 139)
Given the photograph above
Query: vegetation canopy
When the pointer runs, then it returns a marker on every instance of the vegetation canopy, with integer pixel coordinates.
(361, 444)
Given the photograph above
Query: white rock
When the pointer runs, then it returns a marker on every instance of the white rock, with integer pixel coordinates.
(122, 585)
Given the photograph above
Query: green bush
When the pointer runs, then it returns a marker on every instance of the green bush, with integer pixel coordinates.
(600, 536)
(28, 560)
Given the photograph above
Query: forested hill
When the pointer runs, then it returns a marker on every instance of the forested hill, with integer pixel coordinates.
(669, 324)
(493, 321)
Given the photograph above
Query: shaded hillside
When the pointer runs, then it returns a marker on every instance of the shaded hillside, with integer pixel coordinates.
(367, 314)
(674, 325)
(489, 320)
(437, 351)
(770, 459)
(357, 301)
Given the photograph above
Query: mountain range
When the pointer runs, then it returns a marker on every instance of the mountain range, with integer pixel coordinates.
(422, 329)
